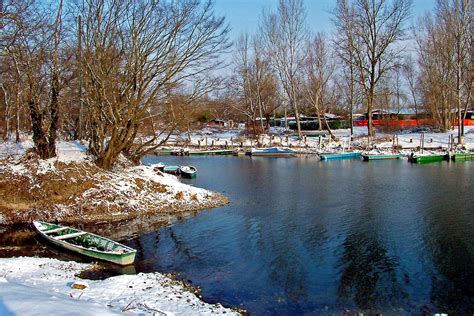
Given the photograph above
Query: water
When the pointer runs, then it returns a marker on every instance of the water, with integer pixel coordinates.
(308, 237)
(304, 236)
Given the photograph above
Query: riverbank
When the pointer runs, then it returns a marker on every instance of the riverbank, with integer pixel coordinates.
(71, 189)
(406, 142)
(43, 286)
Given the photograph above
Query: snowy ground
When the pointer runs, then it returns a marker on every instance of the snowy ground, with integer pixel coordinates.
(73, 187)
(408, 141)
(41, 286)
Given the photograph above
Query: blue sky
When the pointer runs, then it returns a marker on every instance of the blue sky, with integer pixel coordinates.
(243, 15)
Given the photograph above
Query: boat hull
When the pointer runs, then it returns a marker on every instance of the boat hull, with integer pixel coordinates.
(211, 152)
(123, 256)
(380, 157)
(339, 156)
(171, 170)
(462, 156)
(188, 175)
(189, 172)
(427, 159)
(273, 154)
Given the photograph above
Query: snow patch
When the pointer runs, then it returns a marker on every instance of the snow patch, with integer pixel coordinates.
(43, 285)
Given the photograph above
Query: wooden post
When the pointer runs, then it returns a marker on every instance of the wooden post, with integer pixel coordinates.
(422, 142)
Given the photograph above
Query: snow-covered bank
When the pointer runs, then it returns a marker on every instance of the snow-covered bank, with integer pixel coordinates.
(70, 188)
(277, 137)
(41, 286)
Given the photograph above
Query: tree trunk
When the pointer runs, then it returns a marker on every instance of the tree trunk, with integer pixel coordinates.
(39, 137)
(370, 131)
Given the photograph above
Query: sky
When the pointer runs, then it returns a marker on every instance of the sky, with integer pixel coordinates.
(243, 15)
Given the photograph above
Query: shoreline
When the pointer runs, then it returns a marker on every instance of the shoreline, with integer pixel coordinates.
(48, 284)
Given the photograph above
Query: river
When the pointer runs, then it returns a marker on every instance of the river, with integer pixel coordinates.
(303, 236)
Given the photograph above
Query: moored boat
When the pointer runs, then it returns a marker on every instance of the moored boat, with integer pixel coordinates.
(238, 152)
(462, 156)
(424, 158)
(211, 152)
(179, 152)
(86, 243)
(273, 152)
(368, 157)
(159, 166)
(171, 169)
(188, 172)
(348, 155)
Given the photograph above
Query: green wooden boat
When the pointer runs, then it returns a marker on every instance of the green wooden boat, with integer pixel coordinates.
(211, 152)
(163, 152)
(462, 156)
(368, 157)
(171, 169)
(427, 158)
(85, 243)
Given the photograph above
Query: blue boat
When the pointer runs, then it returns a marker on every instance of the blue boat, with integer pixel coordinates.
(368, 157)
(349, 155)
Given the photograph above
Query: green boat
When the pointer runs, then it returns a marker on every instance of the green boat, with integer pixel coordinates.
(86, 243)
(171, 170)
(188, 172)
(211, 152)
(163, 152)
(368, 157)
(462, 156)
(426, 158)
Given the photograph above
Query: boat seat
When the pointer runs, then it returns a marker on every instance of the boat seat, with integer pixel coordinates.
(68, 236)
(55, 230)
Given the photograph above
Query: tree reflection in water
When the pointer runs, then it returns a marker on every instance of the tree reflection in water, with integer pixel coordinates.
(369, 277)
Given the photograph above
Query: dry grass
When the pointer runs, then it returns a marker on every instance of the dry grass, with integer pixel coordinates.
(83, 193)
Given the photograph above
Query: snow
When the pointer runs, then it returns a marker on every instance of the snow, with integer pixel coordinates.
(277, 137)
(126, 190)
(42, 286)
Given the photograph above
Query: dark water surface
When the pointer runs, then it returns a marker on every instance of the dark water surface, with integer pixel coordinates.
(304, 236)
(308, 237)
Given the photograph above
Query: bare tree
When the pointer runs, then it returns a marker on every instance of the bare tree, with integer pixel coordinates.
(444, 44)
(343, 42)
(319, 70)
(256, 83)
(411, 78)
(456, 16)
(134, 54)
(242, 82)
(377, 26)
(285, 34)
(28, 34)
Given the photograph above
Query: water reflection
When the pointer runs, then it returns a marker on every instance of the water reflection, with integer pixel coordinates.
(449, 237)
(369, 276)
